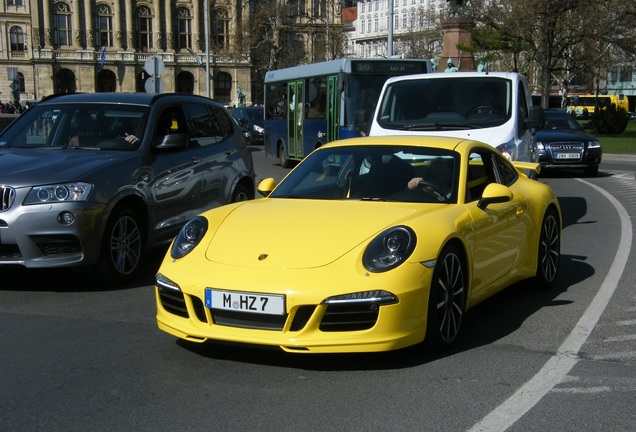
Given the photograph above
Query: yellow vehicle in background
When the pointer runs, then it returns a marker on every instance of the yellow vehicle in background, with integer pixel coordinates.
(583, 106)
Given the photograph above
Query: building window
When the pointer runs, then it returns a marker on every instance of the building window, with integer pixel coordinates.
(362, 26)
(62, 29)
(222, 84)
(16, 35)
(15, 2)
(184, 28)
(375, 24)
(143, 28)
(220, 28)
(103, 26)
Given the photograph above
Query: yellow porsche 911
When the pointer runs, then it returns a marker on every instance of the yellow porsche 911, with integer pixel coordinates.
(395, 238)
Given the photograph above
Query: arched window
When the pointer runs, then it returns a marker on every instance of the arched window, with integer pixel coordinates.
(220, 28)
(16, 35)
(62, 29)
(184, 28)
(185, 82)
(103, 26)
(21, 83)
(222, 84)
(143, 28)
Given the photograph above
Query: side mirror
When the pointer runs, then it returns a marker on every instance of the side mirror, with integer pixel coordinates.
(494, 193)
(174, 141)
(536, 117)
(266, 186)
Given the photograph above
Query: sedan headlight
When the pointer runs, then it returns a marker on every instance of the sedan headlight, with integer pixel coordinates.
(594, 144)
(540, 145)
(56, 193)
(258, 129)
(389, 249)
(189, 237)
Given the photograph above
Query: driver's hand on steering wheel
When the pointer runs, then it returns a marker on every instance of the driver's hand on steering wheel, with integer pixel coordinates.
(414, 182)
(132, 139)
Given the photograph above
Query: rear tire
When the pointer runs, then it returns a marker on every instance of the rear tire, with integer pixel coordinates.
(282, 156)
(447, 300)
(549, 250)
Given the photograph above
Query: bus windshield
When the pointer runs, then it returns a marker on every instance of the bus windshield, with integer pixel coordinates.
(361, 99)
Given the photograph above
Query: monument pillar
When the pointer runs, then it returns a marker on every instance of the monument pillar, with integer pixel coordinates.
(457, 31)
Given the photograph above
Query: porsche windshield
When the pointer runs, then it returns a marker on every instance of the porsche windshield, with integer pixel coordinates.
(446, 104)
(375, 173)
(87, 126)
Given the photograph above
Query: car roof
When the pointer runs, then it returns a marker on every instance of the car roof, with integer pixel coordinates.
(126, 98)
(442, 142)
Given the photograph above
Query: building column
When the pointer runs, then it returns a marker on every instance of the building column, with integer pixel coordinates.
(169, 27)
(196, 28)
(77, 27)
(130, 40)
(48, 24)
(89, 18)
(157, 34)
(117, 30)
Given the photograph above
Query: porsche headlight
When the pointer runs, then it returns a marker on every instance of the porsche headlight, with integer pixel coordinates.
(189, 237)
(389, 249)
(56, 193)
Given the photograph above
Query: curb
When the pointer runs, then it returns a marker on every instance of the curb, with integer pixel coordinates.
(612, 157)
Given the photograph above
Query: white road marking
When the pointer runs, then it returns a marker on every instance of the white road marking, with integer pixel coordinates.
(557, 367)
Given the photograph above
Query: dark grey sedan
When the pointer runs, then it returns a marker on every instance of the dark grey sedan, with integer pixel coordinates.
(90, 181)
(564, 144)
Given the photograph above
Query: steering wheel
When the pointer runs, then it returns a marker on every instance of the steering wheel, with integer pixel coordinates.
(481, 109)
(432, 189)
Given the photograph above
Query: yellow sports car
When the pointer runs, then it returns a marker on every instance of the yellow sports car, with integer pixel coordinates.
(369, 244)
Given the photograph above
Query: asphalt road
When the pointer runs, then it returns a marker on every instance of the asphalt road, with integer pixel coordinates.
(78, 358)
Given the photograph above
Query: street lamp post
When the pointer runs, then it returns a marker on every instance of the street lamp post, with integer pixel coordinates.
(207, 47)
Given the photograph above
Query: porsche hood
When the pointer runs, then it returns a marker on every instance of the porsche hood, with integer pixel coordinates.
(292, 234)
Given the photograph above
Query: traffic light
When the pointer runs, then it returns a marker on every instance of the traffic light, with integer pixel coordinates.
(14, 77)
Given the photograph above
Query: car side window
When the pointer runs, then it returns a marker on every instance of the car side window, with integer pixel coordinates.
(507, 173)
(481, 172)
(203, 124)
(226, 127)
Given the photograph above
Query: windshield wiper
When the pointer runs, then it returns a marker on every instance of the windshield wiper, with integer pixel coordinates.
(439, 126)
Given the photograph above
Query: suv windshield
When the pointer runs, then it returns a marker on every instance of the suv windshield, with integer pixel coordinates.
(91, 126)
(446, 103)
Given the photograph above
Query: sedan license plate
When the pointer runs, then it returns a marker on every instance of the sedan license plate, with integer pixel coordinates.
(245, 302)
(568, 156)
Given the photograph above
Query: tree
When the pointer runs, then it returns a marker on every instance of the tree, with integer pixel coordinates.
(561, 38)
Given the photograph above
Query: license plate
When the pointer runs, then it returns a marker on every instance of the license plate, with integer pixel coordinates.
(245, 302)
(568, 156)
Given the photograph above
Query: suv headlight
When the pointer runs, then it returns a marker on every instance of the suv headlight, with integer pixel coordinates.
(389, 249)
(189, 237)
(56, 193)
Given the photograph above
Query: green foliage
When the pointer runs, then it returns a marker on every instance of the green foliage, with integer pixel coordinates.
(609, 120)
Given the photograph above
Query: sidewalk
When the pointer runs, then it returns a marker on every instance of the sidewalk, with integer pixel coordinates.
(619, 157)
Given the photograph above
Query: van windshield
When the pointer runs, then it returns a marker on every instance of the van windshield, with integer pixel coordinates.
(446, 103)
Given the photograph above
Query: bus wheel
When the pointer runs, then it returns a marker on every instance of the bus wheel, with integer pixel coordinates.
(282, 156)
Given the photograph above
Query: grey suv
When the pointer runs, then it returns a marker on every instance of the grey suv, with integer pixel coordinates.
(90, 181)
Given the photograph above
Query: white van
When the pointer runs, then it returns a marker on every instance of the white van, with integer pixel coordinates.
(495, 108)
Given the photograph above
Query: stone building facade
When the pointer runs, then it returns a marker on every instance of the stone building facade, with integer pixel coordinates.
(61, 46)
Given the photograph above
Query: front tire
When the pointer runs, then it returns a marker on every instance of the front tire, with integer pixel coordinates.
(447, 300)
(241, 193)
(122, 248)
(549, 250)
